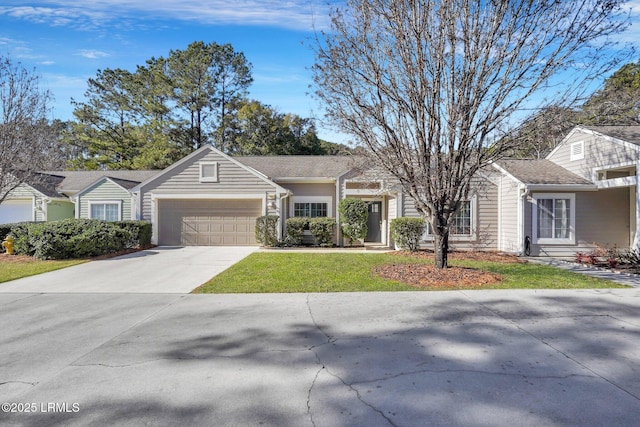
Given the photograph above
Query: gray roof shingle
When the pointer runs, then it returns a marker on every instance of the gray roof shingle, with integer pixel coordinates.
(541, 171)
(629, 134)
(299, 166)
(70, 182)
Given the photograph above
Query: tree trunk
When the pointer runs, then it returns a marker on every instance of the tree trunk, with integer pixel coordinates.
(441, 249)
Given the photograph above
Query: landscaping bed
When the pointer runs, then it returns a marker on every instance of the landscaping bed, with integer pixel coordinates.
(427, 276)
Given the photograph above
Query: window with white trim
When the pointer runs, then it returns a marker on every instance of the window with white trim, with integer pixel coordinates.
(107, 211)
(208, 171)
(554, 217)
(462, 223)
(577, 151)
(310, 209)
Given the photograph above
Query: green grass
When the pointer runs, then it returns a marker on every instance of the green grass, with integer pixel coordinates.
(18, 269)
(344, 272)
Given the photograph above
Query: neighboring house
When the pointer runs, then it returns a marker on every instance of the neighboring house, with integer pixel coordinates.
(582, 195)
(56, 195)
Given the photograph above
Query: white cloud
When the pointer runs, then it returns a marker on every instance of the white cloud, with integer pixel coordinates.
(292, 14)
(92, 54)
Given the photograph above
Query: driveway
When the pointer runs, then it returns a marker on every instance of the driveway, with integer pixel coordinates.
(459, 358)
(158, 270)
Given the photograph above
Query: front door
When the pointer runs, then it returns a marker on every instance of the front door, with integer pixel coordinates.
(374, 222)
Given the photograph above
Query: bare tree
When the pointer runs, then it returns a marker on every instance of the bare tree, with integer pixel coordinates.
(26, 141)
(429, 86)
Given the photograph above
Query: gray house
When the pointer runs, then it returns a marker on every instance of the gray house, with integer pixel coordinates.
(584, 194)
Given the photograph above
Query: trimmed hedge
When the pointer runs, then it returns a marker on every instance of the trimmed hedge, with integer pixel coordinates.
(322, 229)
(78, 238)
(407, 232)
(140, 233)
(266, 230)
(295, 230)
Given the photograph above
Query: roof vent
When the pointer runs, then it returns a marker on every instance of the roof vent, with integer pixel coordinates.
(577, 151)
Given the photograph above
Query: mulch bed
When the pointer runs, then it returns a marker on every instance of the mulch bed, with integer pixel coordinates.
(425, 276)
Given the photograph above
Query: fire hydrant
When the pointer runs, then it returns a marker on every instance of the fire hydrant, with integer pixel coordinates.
(7, 244)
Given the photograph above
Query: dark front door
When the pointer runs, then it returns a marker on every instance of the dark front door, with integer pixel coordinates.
(374, 222)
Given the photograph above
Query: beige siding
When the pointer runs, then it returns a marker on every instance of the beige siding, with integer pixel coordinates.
(509, 215)
(598, 152)
(300, 191)
(185, 179)
(105, 190)
(602, 219)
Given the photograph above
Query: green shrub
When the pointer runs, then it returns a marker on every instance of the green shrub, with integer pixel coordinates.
(354, 214)
(322, 229)
(140, 232)
(267, 230)
(71, 238)
(20, 233)
(407, 232)
(295, 230)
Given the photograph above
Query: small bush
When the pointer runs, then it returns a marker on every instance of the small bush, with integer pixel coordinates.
(295, 230)
(140, 233)
(322, 229)
(5, 229)
(407, 232)
(266, 230)
(354, 214)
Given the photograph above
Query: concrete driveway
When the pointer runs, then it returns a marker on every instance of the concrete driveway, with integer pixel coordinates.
(157, 270)
(460, 358)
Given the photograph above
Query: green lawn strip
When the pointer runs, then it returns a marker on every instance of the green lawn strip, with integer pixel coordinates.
(306, 272)
(343, 272)
(536, 276)
(18, 270)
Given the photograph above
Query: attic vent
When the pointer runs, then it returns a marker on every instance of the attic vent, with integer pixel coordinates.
(577, 150)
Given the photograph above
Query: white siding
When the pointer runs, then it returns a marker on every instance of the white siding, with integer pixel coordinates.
(509, 216)
(598, 152)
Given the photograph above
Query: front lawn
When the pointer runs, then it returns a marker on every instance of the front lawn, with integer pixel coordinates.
(16, 266)
(266, 272)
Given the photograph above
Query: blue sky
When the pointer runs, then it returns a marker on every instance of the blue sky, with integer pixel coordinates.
(67, 41)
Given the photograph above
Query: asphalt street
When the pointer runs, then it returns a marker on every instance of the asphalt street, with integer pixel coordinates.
(460, 358)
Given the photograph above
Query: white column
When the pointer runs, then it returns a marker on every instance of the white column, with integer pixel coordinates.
(636, 240)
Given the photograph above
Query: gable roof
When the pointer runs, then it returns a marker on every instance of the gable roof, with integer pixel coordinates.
(196, 153)
(282, 167)
(540, 172)
(74, 181)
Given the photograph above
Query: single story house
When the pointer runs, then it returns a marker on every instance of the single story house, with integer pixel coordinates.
(582, 195)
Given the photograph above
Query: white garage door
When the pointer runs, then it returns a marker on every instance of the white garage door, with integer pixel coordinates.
(16, 211)
(207, 222)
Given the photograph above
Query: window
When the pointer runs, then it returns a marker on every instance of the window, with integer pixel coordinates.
(462, 220)
(461, 226)
(108, 211)
(209, 172)
(311, 210)
(553, 218)
(577, 151)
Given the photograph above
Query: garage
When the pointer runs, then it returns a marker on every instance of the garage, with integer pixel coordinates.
(218, 222)
(12, 211)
